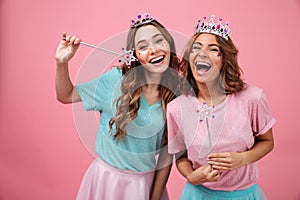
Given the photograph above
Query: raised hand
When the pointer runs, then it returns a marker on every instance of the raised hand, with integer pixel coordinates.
(67, 48)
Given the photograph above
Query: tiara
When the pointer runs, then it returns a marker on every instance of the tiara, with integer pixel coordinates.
(210, 26)
(140, 19)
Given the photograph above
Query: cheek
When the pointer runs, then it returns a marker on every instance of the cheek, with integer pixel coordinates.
(166, 47)
(191, 58)
(219, 64)
(141, 57)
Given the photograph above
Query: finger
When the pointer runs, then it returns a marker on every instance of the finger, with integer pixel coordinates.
(218, 155)
(220, 160)
(224, 163)
(207, 169)
(213, 175)
(218, 177)
(77, 41)
(72, 39)
(222, 166)
(68, 37)
(63, 36)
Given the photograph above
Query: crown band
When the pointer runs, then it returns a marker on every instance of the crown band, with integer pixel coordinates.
(210, 26)
(141, 19)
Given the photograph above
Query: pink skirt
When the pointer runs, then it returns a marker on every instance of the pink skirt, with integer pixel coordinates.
(104, 182)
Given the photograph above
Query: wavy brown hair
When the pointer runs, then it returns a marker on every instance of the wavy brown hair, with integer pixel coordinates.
(230, 75)
(128, 103)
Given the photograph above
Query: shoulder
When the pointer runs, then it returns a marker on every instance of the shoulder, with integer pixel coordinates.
(115, 72)
(250, 93)
(112, 76)
(179, 102)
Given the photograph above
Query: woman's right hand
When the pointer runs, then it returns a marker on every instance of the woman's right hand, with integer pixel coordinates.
(67, 48)
(204, 174)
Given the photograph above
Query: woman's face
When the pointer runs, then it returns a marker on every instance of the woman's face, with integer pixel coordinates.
(152, 49)
(205, 58)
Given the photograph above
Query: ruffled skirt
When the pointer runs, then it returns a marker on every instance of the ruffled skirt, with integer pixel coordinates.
(199, 192)
(104, 182)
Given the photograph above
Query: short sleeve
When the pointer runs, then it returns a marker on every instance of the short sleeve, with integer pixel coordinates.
(262, 119)
(175, 137)
(94, 92)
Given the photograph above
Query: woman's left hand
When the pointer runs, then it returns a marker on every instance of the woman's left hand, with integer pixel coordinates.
(226, 160)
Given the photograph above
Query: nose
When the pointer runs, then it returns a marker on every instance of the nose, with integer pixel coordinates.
(152, 48)
(202, 53)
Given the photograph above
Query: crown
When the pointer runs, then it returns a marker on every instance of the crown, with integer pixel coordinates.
(140, 19)
(210, 26)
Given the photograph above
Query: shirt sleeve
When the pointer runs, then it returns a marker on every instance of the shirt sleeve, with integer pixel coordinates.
(175, 137)
(262, 119)
(94, 92)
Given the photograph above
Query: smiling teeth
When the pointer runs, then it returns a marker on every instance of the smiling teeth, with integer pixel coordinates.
(156, 59)
(202, 67)
(202, 63)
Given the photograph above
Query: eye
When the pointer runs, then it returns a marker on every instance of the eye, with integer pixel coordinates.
(142, 47)
(215, 50)
(195, 48)
(159, 41)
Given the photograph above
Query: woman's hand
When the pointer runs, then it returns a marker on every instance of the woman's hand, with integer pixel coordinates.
(67, 48)
(204, 174)
(231, 160)
(227, 160)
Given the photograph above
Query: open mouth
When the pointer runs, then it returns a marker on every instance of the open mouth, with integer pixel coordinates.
(202, 67)
(157, 60)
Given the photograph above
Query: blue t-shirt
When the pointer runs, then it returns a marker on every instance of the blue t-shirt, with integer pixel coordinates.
(143, 140)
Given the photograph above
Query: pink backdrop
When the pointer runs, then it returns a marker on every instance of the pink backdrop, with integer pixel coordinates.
(41, 154)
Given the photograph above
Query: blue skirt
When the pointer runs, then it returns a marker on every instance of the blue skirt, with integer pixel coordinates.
(199, 192)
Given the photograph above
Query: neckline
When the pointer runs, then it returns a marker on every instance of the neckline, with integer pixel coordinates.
(147, 103)
(215, 107)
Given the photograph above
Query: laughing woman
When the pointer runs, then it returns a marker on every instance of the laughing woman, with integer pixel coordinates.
(220, 127)
(131, 101)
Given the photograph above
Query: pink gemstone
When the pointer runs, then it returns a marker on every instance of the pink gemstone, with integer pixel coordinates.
(219, 26)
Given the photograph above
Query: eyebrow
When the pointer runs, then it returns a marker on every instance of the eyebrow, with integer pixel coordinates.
(154, 36)
(210, 45)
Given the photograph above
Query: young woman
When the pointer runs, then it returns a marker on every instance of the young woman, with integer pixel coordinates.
(132, 102)
(220, 127)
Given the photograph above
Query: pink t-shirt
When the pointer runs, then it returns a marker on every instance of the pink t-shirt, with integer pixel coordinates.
(228, 127)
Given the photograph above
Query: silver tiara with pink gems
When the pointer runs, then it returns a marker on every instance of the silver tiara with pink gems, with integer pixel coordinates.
(140, 19)
(209, 26)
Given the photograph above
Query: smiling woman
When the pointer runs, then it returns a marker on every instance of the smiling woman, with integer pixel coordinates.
(221, 126)
(130, 98)
(152, 50)
(205, 59)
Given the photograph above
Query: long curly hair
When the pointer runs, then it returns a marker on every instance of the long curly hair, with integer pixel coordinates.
(230, 80)
(128, 104)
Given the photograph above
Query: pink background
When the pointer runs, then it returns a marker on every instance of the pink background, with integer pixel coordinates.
(41, 154)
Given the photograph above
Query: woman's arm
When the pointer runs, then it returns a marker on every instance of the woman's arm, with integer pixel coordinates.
(232, 160)
(65, 90)
(164, 166)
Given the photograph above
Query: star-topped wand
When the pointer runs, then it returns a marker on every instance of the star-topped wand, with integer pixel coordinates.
(205, 113)
(126, 57)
